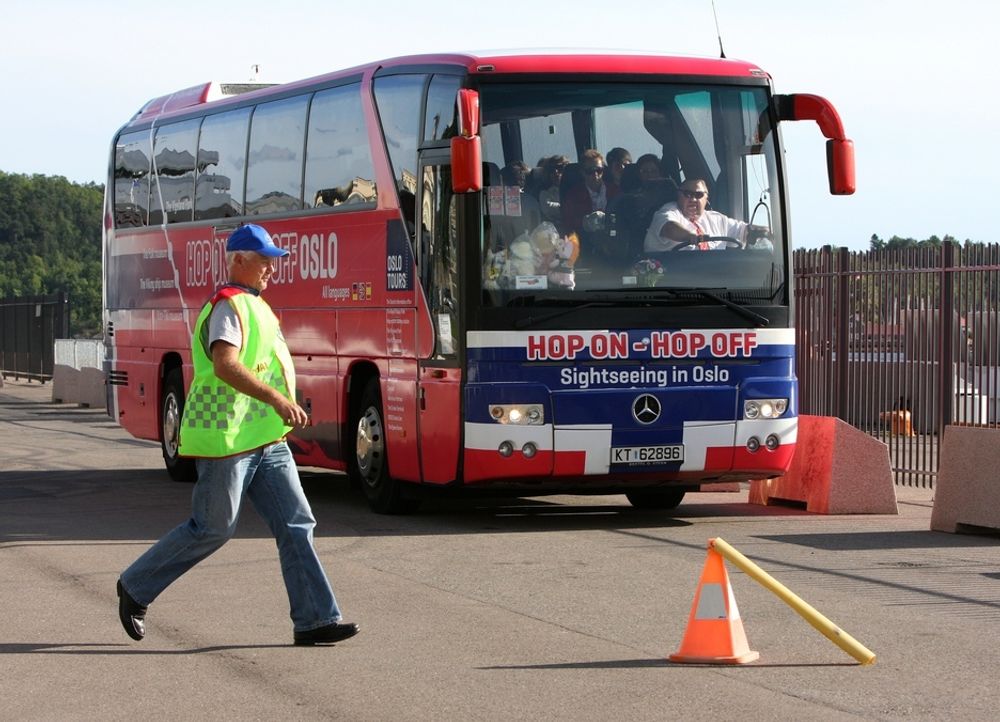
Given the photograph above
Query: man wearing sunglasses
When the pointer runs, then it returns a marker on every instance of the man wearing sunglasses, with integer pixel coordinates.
(688, 224)
(584, 203)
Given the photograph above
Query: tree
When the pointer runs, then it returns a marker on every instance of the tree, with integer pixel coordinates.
(50, 241)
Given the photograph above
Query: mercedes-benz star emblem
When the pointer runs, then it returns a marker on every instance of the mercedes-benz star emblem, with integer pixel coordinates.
(646, 409)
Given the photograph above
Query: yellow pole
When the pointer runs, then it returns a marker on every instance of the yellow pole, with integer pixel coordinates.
(829, 630)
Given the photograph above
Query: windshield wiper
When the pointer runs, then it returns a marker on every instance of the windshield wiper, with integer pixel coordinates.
(655, 296)
(532, 320)
(712, 295)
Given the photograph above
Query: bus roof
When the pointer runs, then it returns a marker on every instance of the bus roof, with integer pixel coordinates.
(484, 63)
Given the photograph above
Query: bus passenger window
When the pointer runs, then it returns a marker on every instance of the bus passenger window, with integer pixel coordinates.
(132, 179)
(339, 167)
(172, 193)
(274, 164)
(222, 156)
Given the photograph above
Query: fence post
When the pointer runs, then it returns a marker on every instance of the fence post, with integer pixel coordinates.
(947, 352)
(843, 330)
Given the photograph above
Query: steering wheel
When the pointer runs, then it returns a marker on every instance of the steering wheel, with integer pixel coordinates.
(693, 242)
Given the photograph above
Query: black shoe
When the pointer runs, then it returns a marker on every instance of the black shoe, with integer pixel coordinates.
(132, 614)
(327, 635)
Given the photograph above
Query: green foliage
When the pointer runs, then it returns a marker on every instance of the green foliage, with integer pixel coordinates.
(50, 241)
(878, 244)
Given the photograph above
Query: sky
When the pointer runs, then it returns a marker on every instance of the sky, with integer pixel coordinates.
(902, 74)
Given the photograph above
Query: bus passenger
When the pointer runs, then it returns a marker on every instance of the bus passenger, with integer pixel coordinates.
(515, 173)
(585, 200)
(687, 223)
(649, 168)
(643, 190)
(239, 408)
(548, 197)
(618, 159)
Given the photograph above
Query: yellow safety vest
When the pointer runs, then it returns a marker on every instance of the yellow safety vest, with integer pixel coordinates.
(218, 420)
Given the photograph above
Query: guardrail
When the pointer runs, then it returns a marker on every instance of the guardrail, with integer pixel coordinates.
(78, 374)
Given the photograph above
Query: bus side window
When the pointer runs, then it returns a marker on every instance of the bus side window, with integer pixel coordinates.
(172, 192)
(439, 262)
(132, 156)
(441, 120)
(274, 164)
(222, 153)
(398, 100)
(339, 167)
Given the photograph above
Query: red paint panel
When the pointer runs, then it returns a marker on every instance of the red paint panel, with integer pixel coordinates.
(569, 463)
(399, 409)
(361, 334)
(440, 391)
(763, 461)
(719, 458)
(616, 64)
(482, 465)
(309, 331)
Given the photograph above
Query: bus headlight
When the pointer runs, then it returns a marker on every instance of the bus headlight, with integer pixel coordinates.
(764, 408)
(519, 414)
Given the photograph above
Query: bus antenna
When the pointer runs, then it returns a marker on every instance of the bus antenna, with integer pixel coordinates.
(722, 52)
(255, 70)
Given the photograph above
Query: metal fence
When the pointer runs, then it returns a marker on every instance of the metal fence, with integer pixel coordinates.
(900, 343)
(29, 326)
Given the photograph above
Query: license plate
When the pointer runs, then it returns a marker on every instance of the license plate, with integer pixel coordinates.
(647, 454)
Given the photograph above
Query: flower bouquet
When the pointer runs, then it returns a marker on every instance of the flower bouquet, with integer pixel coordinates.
(648, 271)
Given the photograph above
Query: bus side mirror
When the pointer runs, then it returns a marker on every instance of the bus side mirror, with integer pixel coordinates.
(840, 166)
(839, 149)
(466, 165)
(466, 147)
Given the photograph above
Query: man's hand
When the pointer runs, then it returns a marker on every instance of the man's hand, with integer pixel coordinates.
(291, 413)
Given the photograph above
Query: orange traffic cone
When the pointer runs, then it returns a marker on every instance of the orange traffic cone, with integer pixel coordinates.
(714, 632)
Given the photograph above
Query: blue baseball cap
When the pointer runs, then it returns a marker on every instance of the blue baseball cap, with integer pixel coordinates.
(251, 237)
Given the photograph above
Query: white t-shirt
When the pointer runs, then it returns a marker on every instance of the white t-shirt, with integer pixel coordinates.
(711, 223)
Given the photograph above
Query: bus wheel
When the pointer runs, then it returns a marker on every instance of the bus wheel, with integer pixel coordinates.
(385, 494)
(170, 421)
(656, 498)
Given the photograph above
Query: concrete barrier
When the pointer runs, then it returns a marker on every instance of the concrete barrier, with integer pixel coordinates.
(78, 373)
(717, 486)
(967, 486)
(836, 469)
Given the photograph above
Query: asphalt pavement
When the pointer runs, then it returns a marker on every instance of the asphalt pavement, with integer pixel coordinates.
(549, 608)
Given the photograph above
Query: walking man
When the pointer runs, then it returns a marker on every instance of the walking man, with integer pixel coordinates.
(239, 408)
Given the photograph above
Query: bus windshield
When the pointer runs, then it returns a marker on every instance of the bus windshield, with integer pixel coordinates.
(584, 189)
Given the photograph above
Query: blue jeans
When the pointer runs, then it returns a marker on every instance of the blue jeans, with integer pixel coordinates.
(269, 478)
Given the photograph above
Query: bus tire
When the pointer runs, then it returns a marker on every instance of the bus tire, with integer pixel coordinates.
(668, 498)
(370, 461)
(171, 410)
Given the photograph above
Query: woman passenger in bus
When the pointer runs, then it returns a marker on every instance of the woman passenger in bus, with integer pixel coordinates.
(548, 197)
(515, 173)
(618, 160)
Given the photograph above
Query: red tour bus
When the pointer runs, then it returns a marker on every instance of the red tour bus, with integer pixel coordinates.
(469, 300)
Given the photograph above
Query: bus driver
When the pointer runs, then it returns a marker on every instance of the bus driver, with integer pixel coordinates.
(688, 223)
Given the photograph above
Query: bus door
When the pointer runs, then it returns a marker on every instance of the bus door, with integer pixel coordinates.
(439, 376)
